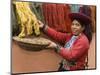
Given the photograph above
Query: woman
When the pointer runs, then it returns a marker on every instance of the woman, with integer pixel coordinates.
(77, 43)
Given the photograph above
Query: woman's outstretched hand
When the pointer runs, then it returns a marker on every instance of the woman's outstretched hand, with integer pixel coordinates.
(52, 45)
(41, 25)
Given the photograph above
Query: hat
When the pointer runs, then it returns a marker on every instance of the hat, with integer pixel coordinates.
(81, 17)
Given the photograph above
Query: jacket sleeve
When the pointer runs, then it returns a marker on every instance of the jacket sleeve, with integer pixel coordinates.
(77, 50)
(58, 36)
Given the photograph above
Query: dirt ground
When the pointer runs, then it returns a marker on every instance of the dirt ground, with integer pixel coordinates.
(24, 61)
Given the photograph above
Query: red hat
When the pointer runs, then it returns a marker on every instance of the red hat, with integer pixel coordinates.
(81, 17)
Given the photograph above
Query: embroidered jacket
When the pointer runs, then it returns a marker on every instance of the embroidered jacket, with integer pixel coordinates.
(77, 52)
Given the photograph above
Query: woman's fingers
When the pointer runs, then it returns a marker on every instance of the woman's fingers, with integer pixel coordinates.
(52, 45)
(40, 24)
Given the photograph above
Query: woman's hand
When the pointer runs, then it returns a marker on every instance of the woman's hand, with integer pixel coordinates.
(52, 45)
(41, 25)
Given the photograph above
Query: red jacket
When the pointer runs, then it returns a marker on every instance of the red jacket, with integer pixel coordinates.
(78, 51)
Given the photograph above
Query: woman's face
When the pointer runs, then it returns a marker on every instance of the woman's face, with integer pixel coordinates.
(76, 27)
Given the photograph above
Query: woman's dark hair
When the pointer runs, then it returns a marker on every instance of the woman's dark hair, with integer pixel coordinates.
(88, 26)
(87, 29)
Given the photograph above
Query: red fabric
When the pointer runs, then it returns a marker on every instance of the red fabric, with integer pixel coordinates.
(78, 51)
(58, 36)
(56, 16)
(67, 10)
